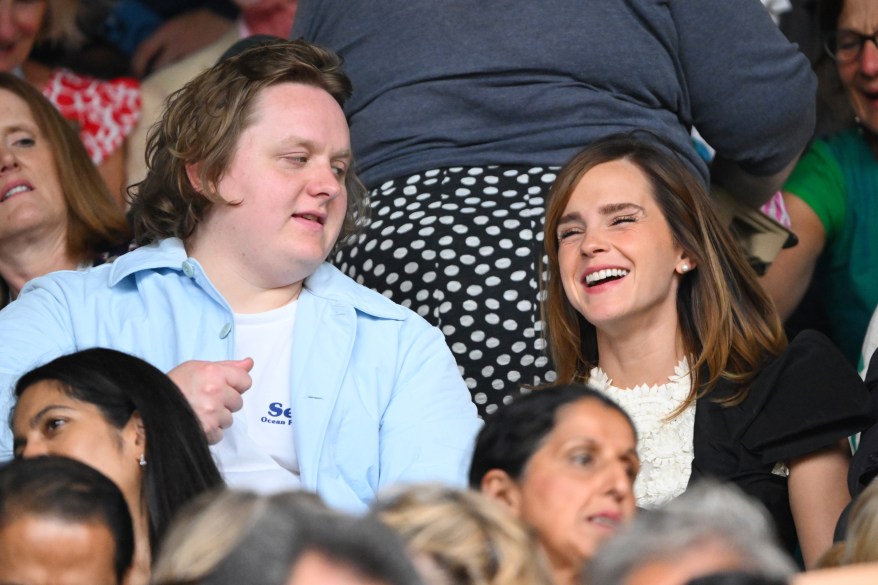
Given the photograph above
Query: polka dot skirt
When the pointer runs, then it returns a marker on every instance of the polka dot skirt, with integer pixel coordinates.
(460, 246)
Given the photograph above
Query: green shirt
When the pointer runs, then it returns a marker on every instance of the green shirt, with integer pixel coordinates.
(838, 179)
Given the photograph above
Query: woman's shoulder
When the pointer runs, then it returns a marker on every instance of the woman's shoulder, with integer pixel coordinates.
(812, 350)
(805, 399)
(811, 368)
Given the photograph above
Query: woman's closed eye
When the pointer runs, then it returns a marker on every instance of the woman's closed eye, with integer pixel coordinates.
(623, 219)
(567, 232)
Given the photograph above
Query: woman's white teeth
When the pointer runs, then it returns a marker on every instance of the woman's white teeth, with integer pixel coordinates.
(601, 275)
(15, 191)
(605, 521)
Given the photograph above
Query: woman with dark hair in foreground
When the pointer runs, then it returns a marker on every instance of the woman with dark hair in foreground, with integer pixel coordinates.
(128, 420)
(563, 460)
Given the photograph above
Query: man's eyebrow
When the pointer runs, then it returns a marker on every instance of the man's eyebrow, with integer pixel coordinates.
(294, 141)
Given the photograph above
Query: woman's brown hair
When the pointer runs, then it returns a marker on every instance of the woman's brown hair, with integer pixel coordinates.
(728, 323)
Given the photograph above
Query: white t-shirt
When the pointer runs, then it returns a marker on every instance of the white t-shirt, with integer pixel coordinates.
(258, 452)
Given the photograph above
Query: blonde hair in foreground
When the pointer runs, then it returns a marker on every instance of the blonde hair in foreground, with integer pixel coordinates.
(458, 537)
(213, 525)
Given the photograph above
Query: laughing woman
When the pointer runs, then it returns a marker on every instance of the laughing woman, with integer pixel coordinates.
(651, 301)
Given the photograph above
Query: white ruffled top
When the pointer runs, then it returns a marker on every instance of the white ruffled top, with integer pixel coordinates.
(666, 447)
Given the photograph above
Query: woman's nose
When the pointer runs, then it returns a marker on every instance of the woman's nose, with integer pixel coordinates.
(8, 160)
(592, 243)
(34, 449)
(618, 481)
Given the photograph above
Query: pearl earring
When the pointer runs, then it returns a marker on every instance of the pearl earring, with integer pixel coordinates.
(684, 268)
(142, 460)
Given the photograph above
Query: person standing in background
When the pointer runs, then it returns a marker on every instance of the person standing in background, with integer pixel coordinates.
(462, 111)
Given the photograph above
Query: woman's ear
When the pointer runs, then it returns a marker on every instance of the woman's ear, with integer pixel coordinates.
(497, 485)
(685, 264)
(134, 432)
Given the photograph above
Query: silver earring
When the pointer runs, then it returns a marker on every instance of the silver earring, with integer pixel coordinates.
(142, 460)
(684, 268)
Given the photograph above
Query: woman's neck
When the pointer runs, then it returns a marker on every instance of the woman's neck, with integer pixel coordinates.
(24, 260)
(647, 357)
(140, 565)
(566, 575)
(565, 570)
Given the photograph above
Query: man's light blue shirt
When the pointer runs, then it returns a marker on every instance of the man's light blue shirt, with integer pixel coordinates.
(375, 391)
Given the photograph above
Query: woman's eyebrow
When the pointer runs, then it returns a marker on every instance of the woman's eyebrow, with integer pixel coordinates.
(608, 209)
(611, 208)
(35, 419)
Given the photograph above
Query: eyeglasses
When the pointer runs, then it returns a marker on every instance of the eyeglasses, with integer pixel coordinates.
(845, 46)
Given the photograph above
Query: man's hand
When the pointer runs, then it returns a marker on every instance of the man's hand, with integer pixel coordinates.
(178, 37)
(214, 390)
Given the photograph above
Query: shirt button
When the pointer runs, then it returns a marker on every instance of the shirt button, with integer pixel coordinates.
(188, 270)
(227, 328)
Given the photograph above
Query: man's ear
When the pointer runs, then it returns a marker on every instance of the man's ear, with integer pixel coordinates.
(193, 173)
(497, 485)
